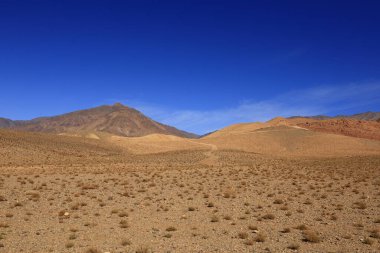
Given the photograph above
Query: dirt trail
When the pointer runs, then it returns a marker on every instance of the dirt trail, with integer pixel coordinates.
(264, 130)
(211, 157)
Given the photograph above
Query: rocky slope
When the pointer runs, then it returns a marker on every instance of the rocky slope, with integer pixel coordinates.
(349, 127)
(116, 120)
(375, 116)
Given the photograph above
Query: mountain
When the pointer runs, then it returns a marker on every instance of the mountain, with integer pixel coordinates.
(349, 126)
(282, 138)
(114, 119)
(362, 125)
(366, 116)
(6, 123)
(367, 129)
(375, 116)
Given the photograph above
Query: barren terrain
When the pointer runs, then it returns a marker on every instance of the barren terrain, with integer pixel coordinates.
(256, 189)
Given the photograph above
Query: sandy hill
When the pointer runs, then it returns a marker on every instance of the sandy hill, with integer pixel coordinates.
(243, 128)
(26, 148)
(156, 143)
(237, 128)
(116, 119)
(290, 141)
(300, 137)
(117, 127)
(375, 116)
(274, 138)
(368, 129)
(349, 127)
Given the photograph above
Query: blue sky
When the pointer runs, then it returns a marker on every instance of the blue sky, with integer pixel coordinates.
(197, 65)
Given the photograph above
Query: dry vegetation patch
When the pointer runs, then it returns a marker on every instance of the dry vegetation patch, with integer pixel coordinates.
(173, 202)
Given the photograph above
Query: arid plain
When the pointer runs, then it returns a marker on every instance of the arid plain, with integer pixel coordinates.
(258, 187)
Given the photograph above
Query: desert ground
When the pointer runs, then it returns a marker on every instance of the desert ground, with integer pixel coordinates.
(247, 188)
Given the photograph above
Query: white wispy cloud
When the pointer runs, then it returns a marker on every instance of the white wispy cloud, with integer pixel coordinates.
(306, 102)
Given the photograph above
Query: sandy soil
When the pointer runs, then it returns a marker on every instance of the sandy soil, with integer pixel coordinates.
(67, 194)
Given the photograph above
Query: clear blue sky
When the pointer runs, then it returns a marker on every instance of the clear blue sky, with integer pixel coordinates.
(198, 65)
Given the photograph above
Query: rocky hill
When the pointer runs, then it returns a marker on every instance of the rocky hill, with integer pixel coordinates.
(116, 119)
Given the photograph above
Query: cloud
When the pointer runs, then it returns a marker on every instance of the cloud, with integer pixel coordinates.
(314, 101)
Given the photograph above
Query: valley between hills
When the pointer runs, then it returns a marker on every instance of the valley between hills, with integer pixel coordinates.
(110, 179)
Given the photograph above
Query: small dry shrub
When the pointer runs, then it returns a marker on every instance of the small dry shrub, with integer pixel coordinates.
(168, 235)
(360, 205)
(92, 250)
(227, 217)
(301, 227)
(143, 250)
(311, 236)
(123, 214)
(260, 238)
(243, 235)
(69, 245)
(368, 241)
(375, 233)
(278, 201)
(249, 242)
(229, 193)
(124, 224)
(171, 228)
(4, 225)
(214, 218)
(268, 216)
(125, 242)
(293, 246)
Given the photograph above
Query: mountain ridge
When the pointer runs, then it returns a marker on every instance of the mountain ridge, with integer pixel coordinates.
(372, 116)
(112, 119)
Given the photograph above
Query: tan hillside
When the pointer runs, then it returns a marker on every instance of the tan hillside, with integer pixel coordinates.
(250, 127)
(20, 148)
(291, 141)
(370, 116)
(368, 129)
(237, 128)
(270, 138)
(156, 143)
(252, 188)
(116, 119)
(349, 127)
